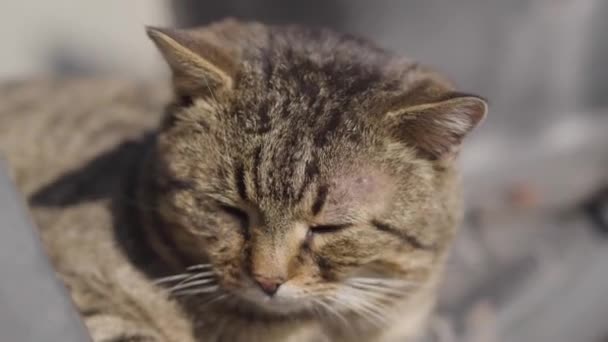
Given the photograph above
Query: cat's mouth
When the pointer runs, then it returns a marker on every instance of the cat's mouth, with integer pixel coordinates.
(287, 300)
(201, 280)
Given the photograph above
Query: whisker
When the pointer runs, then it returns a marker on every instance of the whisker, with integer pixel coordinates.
(191, 284)
(199, 267)
(381, 281)
(383, 290)
(379, 319)
(186, 276)
(369, 313)
(202, 274)
(365, 314)
(378, 295)
(208, 289)
(197, 276)
(331, 310)
(171, 278)
(398, 291)
(319, 313)
(214, 299)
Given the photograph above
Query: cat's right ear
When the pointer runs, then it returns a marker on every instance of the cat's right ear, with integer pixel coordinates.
(199, 67)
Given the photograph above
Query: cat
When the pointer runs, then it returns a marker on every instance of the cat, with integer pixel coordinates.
(300, 186)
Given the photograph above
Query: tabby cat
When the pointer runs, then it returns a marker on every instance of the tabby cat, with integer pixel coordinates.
(301, 186)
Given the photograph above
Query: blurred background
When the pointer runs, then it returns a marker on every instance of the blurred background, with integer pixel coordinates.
(531, 263)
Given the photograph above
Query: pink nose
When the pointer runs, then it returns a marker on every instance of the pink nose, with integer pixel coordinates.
(269, 285)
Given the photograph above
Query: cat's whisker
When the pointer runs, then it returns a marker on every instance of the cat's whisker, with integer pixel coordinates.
(397, 291)
(334, 301)
(339, 301)
(372, 319)
(378, 319)
(171, 278)
(318, 312)
(381, 281)
(384, 292)
(190, 284)
(208, 289)
(186, 276)
(382, 296)
(331, 310)
(371, 313)
(199, 267)
(317, 304)
(214, 299)
(378, 310)
(376, 302)
(196, 276)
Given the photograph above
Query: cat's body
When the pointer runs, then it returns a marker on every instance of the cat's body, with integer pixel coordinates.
(308, 176)
(52, 133)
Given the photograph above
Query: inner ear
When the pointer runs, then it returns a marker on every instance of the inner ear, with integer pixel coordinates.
(437, 128)
(199, 67)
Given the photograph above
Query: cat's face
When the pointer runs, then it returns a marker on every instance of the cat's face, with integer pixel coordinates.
(324, 223)
(308, 183)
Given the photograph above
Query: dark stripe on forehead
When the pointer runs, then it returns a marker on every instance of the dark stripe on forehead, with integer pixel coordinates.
(239, 180)
(288, 161)
(322, 135)
(310, 172)
(403, 236)
(257, 159)
(320, 200)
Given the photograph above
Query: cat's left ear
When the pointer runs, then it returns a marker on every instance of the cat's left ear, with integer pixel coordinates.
(199, 66)
(437, 127)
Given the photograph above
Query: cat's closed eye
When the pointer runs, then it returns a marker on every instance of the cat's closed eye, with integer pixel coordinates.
(328, 228)
(240, 215)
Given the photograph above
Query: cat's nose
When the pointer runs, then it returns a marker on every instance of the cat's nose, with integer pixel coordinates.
(269, 285)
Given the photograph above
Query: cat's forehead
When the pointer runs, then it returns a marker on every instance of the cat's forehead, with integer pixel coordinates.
(320, 92)
(357, 188)
(328, 188)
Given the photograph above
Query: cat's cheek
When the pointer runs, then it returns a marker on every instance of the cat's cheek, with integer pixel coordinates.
(227, 251)
(225, 246)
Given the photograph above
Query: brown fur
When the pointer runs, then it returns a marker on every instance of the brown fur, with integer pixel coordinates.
(289, 156)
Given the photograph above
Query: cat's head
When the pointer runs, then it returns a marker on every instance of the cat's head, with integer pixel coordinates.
(309, 170)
